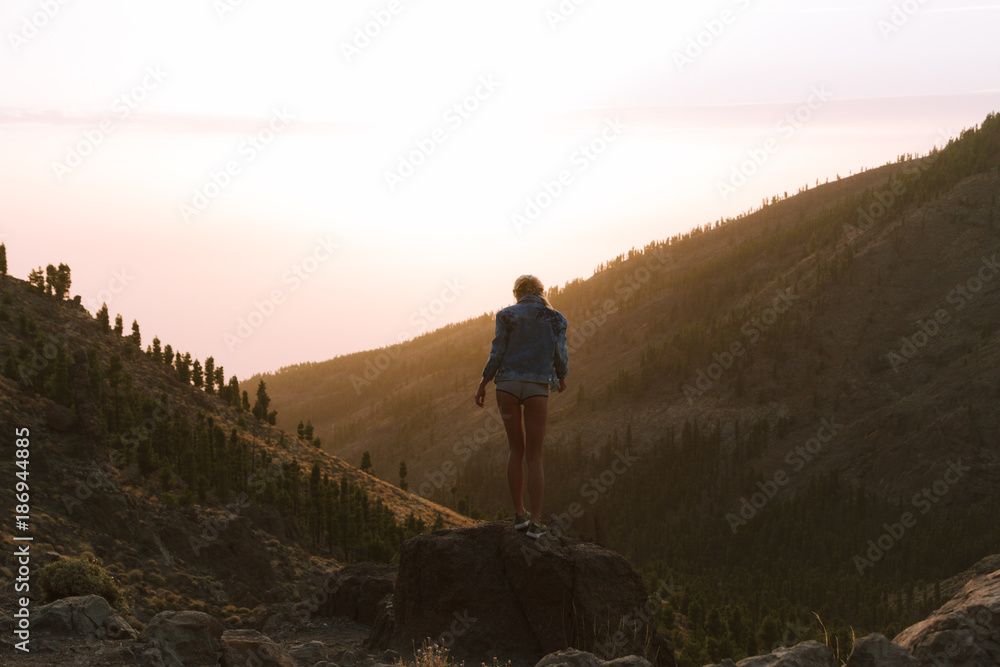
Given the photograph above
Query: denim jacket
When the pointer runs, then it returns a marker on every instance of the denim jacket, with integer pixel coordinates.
(529, 345)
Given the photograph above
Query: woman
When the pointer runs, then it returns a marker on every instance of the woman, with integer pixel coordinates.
(527, 358)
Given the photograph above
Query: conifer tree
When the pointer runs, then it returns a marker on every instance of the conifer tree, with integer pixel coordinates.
(36, 278)
(51, 278)
(403, 484)
(3, 264)
(157, 353)
(197, 375)
(136, 336)
(261, 404)
(103, 318)
(62, 282)
(366, 462)
(210, 375)
(119, 325)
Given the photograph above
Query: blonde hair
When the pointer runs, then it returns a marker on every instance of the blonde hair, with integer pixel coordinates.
(528, 284)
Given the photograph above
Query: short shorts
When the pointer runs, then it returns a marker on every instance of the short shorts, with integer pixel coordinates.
(522, 389)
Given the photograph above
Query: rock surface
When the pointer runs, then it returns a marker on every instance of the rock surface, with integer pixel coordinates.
(571, 657)
(249, 647)
(964, 632)
(806, 654)
(355, 591)
(877, 651)
(185, 638)
(489, 590)
(82, 616)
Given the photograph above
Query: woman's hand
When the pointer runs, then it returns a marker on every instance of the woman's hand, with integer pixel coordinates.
(562, 385)
(481, 394)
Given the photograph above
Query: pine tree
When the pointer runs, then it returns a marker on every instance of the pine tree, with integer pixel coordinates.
(3, 264)
(210, 375)
(403, 484)
(36, 278)
(301, 430)
(119, 325)
(51, 278)
(63, 282)
(261, 404)
(366, 462)
(308, 430)
(157, 353)
(113, 374)
(197, 375)
(168, 355)
(103, 319)
(136, 337)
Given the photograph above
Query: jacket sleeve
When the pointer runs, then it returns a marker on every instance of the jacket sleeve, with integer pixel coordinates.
(561, 358)
(498, 348)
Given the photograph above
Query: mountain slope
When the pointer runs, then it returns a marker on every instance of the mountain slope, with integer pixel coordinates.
(179, 491)
(819, 367)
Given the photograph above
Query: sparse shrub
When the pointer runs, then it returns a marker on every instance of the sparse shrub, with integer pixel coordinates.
(153, 579)
(75, 576)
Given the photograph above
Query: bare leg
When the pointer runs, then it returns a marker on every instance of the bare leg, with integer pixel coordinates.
(536, 411)
(510, 412)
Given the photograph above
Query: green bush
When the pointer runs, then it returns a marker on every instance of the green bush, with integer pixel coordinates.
(76, 576)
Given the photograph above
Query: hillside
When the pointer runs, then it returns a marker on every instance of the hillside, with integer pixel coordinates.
(828, 360)
(188, 500)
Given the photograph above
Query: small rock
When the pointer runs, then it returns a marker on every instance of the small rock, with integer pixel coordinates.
(807, 654)
(84, 616)
(249, 647)
(309, 654)
(185, 638)
(877, 651)
(59, 417)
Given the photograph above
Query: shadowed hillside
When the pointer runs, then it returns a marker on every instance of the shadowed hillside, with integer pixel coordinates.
(140, 461)
(818, 367)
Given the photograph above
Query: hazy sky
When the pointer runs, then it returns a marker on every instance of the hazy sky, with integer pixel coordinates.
(322, 172)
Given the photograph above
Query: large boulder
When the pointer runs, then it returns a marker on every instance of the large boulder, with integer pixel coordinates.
(806, 654)
(355, 591)
(964, 632)
(81, 616)
(489, 590)
(877, 651)
(185, 638)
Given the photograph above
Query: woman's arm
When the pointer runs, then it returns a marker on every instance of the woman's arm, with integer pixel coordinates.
(497, 350)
